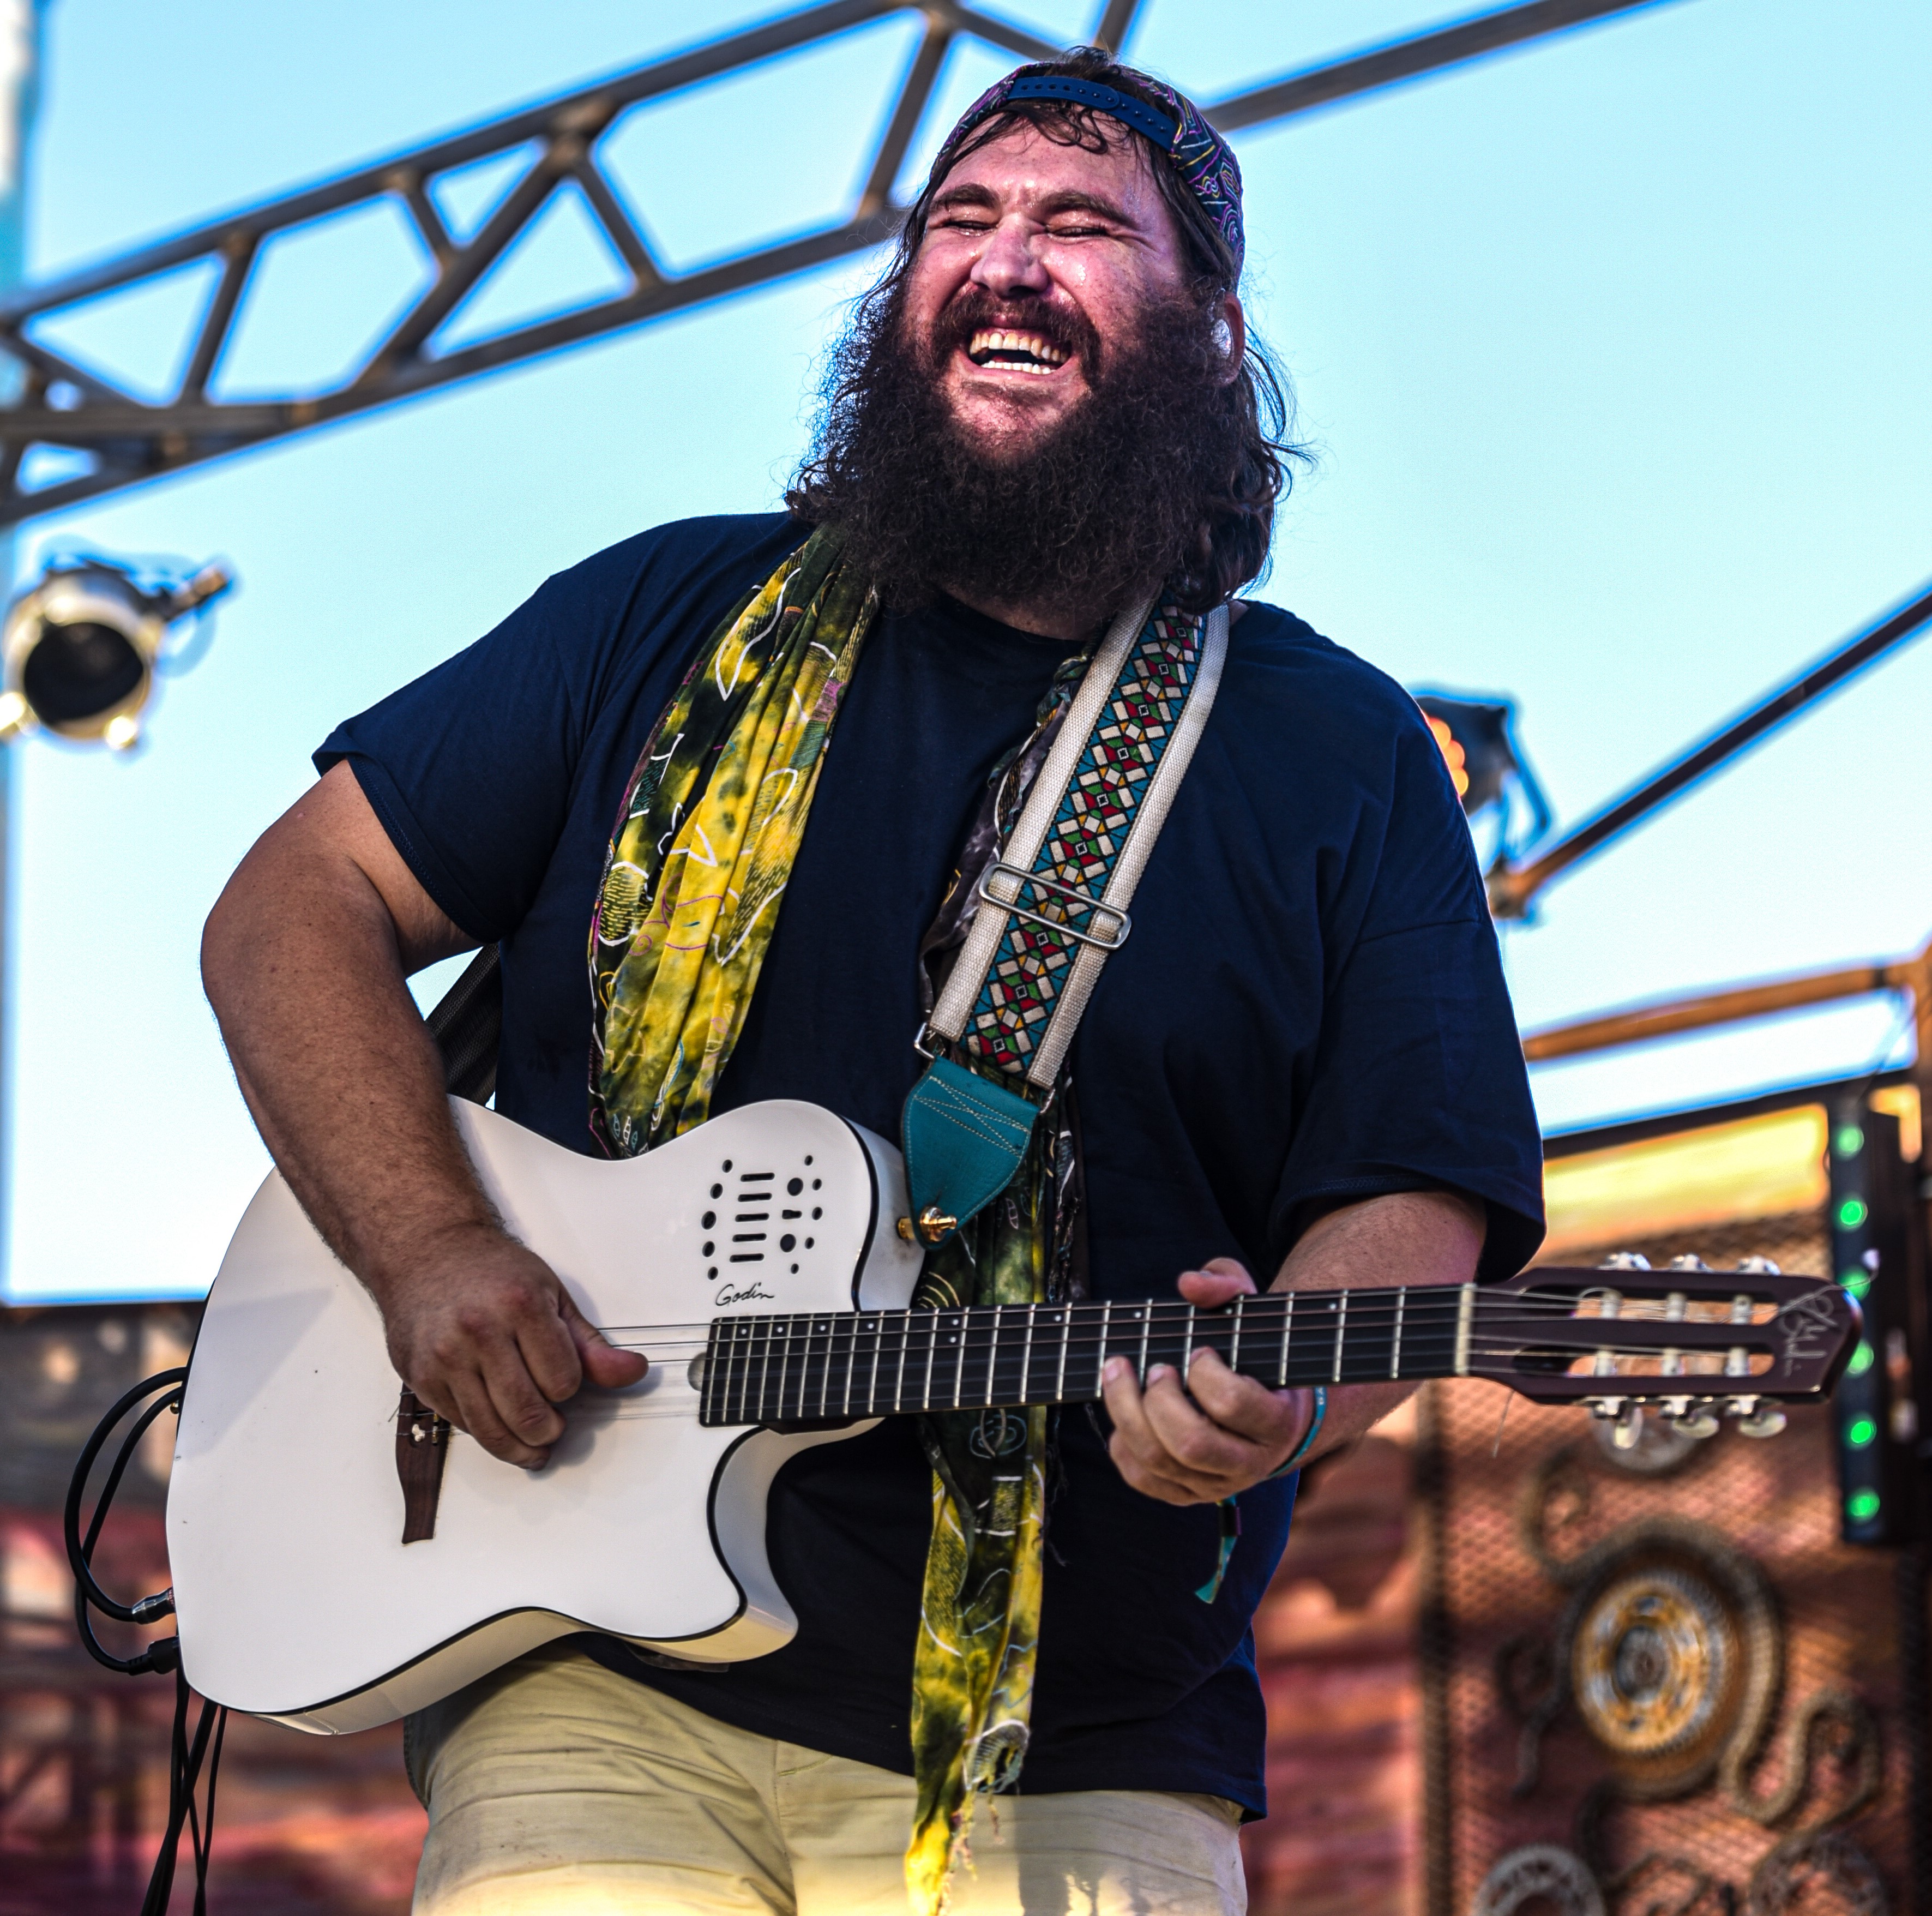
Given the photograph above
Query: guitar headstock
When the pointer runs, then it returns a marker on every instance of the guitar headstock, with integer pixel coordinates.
(1694, 1343)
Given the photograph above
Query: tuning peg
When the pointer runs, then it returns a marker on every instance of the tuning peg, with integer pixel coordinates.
(1692, 1417)
(1687, 1262)
(1756, 1418)
(1625, 1260)
(1629, 1427)
(1759, 1267)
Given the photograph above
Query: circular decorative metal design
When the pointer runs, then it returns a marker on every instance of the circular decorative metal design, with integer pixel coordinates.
(1652, 1661)
(1545, 1871)
(1824, 1868)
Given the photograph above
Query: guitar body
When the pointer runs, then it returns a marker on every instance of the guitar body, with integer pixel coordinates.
(298, 1599)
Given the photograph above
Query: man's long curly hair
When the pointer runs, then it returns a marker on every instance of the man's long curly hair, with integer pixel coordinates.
(1233, 510)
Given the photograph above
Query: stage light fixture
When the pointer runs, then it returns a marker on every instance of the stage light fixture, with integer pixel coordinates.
(1477, 737)
(80, 649)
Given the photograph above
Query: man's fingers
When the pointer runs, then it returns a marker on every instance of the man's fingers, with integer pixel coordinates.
(603, 1364)
(1218, 1282)
(1265, 1417)
(477, 1414)
(1212, 1440)
(1198, 1446)
(1139, 1451)
(546, 1349)
(526, 1410)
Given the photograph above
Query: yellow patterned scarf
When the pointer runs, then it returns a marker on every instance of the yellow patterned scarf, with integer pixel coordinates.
(711, 822)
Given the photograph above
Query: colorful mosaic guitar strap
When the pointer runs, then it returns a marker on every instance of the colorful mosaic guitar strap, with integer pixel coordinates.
(1055, 906)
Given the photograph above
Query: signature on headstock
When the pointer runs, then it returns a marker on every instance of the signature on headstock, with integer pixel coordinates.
(1807, 1326)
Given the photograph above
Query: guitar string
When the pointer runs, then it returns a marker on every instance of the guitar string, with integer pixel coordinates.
(1365, 1307)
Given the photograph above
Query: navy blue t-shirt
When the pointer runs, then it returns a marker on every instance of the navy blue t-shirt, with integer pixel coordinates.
(1310, 1008)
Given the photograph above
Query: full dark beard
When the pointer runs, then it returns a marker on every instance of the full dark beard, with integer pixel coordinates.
(1115, 498)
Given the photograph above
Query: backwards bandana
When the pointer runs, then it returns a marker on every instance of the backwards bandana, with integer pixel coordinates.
(1204, 160)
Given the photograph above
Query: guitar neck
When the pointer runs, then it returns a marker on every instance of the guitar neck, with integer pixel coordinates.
(798, 1369)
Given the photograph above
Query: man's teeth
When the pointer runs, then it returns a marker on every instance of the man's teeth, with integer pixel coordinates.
(1015, 352)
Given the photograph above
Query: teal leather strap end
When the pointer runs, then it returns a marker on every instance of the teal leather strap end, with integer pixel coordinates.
(964, 1138)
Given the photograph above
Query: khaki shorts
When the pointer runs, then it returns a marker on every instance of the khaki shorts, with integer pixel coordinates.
(557, 1789)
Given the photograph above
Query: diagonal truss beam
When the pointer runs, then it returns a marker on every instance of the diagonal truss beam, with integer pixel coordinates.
(68, 406)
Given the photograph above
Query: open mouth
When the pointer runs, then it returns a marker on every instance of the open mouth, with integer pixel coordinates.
(1016, 352)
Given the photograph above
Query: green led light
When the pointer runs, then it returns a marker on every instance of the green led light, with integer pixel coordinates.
(1862, 1506)
(1857, 1282)
(1861, 1361)
(1852, 1213)
(1860, 1432)
(1849, 1141)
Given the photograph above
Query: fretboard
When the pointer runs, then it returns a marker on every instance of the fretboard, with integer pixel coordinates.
(801, 1369)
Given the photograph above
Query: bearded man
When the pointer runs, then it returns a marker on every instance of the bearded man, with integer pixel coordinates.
(1301, 1063)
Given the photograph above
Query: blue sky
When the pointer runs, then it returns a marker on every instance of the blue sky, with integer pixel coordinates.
(1613, 350)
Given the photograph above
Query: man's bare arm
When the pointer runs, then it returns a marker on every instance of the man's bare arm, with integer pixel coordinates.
(1223, 1433)
(305, 957)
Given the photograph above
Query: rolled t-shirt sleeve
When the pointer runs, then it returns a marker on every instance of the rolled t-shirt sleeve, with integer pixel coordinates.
(1418, 1080)
(470, 768)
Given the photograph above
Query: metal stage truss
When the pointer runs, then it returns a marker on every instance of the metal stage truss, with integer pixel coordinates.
(80, 413)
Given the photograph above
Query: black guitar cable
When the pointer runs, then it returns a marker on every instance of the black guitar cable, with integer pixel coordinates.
(187, 1752)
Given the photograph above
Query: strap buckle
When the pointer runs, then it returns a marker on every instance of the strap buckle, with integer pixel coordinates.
(1100, 940)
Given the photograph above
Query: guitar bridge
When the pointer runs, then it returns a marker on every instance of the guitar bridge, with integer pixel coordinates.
(422, 1446)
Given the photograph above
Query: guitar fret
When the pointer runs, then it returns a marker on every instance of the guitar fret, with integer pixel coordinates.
(1026, 1352)
(1145, 1314)
(1287, 1325)
(1060, 1370)
(993, 1356)
(1234, 1348)
(959, 1368)
(765, 1371)
(931, 1352)
(878, 1338)
(898, 1376)
(1395, 1348)
(1341, 1330)
(1100, 1353)
(1187, 1345)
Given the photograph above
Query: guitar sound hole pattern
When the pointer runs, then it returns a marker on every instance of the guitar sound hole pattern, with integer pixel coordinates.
(760, 1223)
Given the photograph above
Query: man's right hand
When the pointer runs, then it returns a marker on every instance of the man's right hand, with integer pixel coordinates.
(482, 1331)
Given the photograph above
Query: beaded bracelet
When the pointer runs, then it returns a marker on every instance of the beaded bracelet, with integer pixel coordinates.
(1293, 1461)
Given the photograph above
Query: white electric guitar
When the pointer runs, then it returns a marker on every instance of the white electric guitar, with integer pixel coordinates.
(757, 1262)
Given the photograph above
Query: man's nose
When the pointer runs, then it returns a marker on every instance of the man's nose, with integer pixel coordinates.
(1007, 263)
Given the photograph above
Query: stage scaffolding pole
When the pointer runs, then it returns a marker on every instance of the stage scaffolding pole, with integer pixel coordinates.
(21, 40)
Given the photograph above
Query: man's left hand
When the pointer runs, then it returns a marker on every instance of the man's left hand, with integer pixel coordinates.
(1211, 1435)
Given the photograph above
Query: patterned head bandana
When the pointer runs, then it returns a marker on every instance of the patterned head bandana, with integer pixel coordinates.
(1197, 153)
